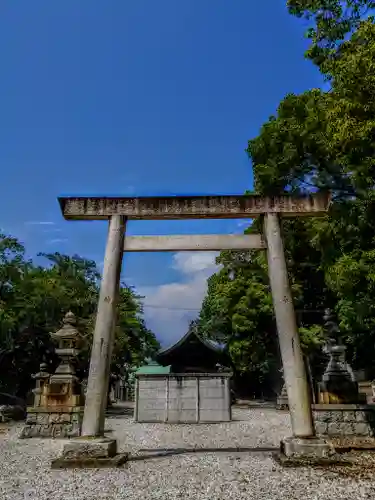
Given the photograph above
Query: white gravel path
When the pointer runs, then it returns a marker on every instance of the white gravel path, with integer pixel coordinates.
(215, 475)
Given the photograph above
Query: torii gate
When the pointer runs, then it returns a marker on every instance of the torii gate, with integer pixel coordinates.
(119, 210)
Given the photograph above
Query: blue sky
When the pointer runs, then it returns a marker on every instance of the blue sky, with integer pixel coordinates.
(138, 98)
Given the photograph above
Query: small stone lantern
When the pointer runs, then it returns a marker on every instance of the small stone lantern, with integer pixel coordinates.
(282, 402)
(41, 379)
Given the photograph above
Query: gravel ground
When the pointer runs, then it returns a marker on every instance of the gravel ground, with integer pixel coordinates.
(216, 471)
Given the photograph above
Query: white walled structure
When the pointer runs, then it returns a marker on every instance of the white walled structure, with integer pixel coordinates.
(183, 398)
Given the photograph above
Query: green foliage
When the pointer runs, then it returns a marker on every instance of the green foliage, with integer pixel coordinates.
(336, 152)
(330, 22)
(317, 141)
(237, 310)
(238, 306)
(33, 301)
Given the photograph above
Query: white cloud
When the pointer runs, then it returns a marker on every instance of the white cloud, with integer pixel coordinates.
(195, 262)
(57, 240)
(169, 308)
(40, 223)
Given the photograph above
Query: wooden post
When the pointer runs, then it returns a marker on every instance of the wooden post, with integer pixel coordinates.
(101, 352)
(293, 365)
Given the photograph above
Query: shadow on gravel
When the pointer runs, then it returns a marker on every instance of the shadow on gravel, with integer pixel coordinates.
(147, 454)
(119, 412)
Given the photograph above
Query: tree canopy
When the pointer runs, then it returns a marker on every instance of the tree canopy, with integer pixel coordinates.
(330, 22)
(33, 301)
(316, 141)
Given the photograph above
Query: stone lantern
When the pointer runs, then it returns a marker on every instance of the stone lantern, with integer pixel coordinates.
(68, 339)
(58, 401)
(340, 412)
(282, 402)
(338, 383)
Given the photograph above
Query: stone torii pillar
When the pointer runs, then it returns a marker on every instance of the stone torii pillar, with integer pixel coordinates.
(295, 376)
(101, 352)
(293, 366)
(92, 449)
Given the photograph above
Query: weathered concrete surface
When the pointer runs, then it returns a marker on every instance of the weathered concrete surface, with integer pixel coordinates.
(296, 447)
(90, 463)
(90, 454)
(101, 352)
(293, 366)
(199, 242)
(90, 448)
(191, 207)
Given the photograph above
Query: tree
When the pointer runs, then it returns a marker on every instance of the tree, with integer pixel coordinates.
(316, 141)
(326, 141)
(331, 21)
(33, 301)
(238, 307)
(134, 342)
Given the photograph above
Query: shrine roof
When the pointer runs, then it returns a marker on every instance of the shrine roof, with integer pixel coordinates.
(190, 335)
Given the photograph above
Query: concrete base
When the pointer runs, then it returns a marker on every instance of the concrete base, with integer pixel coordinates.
(313, 448)
(332, 461)
(86, 447)
(90, 463)
(86, 452)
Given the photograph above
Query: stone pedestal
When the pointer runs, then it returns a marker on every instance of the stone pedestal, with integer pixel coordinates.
(344, 420)
(307, 448)
(87, 452)
(53, 423)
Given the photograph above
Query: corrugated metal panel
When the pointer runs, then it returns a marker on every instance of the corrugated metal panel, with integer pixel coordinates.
(153, 369)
